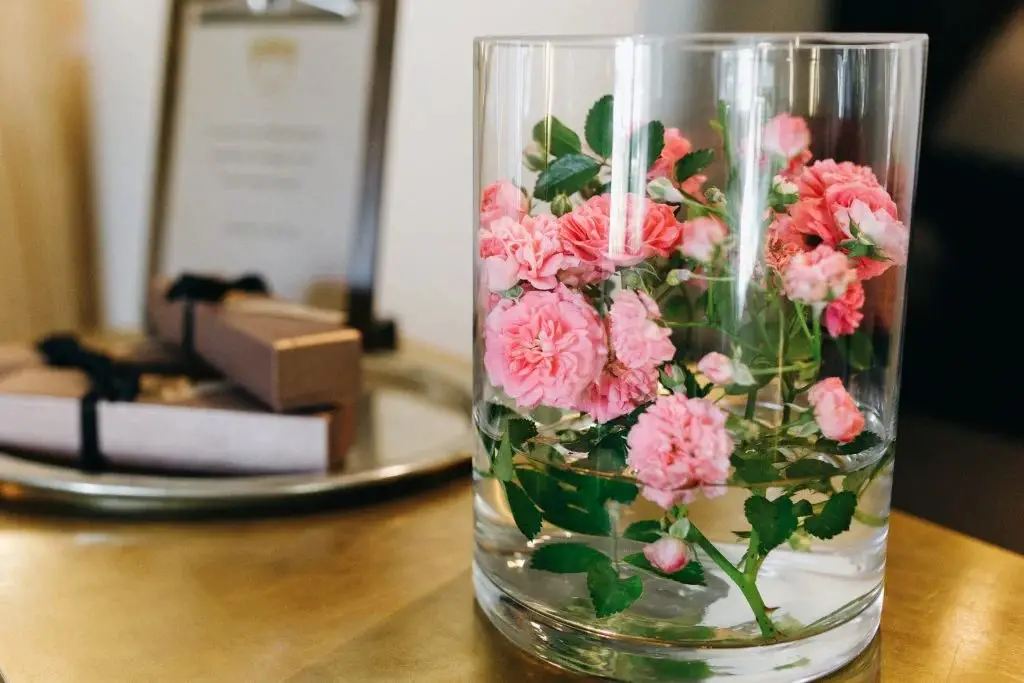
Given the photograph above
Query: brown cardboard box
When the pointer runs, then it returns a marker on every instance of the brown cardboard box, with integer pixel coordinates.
(288, 356)
(174, 425)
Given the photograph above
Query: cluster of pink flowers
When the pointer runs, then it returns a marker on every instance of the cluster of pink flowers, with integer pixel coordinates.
(677, 445)
(840, 206)
(676, 147)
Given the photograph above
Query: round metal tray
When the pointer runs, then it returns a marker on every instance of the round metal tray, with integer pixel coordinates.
(414, 423)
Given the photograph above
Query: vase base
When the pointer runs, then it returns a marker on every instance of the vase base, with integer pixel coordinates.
(567, 646)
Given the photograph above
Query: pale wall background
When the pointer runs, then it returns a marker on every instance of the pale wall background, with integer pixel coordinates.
(430, 144)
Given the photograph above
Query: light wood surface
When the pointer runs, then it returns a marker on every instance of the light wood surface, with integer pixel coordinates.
(382, 592)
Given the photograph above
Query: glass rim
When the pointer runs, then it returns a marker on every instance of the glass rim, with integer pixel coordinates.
(715, 40)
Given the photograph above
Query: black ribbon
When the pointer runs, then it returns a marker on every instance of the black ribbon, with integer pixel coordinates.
(190, 289)
(109, 381)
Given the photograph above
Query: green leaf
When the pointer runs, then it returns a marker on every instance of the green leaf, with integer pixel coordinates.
(692, 574)
(583, 443)
(541, 488)
(649, 140)
(809, 467)
(566, 174)
(610, 593)
(592, 520)
(566, 558)
(856, 350)
(502, 465)
(802, 508)
(557, 138)
(645, 531)
(677, 307)
(773, 520)
(609, 455)
(519, 432)
(598, 127)
(524, 512)
(620, 491)
(754, 470)
(693, 163)
(863, 442)
(834, 518)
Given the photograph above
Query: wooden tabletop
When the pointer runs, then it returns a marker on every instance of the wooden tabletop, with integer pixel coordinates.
(382, 592)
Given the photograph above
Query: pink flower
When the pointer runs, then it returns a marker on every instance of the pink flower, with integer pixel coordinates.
(716, 367)
(817, 276)
(821, 175)
(502, 199)
(787, 136)
(840, 200)
(783, 243)
(878, 227)
(531, 251)
(679, 443)
(604, 233)
(545, 348)
(843, 315)
(835, 410)
(676, 147)
(702, 236)
(500, 274)
(618, 391)
(638, 341)
(667, 554)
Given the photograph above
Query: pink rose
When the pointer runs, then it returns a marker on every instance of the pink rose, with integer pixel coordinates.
(702, 236)
(618, 391)
(545, 348)
(787, 136)
(716, 367)
(878, 227)
(667, 554)
(530, 248)
(638, 341)
(500, 274)
(841, 198)
(835, 410)
(843, 315)
(783, 243)
(818, 177)
(817, 276)
(679, 443)
(676, 147)
(603, 233)
(502, 199)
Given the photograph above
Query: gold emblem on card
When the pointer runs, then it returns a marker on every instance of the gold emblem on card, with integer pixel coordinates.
(272, 61)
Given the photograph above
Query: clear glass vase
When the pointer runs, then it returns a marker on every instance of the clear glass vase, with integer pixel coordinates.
(690, 262)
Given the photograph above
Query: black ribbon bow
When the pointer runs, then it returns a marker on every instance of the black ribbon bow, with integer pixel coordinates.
(190, 288)
(108, 379)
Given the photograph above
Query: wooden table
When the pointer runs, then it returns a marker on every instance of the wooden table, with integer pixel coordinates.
(382, 592)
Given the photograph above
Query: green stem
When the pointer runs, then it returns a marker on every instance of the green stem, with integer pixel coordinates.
(751, 403)
(817, 340)
(746, 586)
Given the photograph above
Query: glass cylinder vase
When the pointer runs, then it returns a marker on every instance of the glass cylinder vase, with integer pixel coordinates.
(689, 285)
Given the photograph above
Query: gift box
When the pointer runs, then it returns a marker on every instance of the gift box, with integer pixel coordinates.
(171, 424)
(286, 355)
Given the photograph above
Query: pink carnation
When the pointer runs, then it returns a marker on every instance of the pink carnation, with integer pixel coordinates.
(638, 341)
(601, 234)
(528, 250)
(502, 199)
(878, 226)
(817, 276)
(783, 243)
(676, 147)
(716, 367)
(819, 176)
(843, 315)
(835, 411)
(867, 200)
(787, 136)
(701, 236)
(667, 554)
(545, 348)
(678, 444)
(618, 391)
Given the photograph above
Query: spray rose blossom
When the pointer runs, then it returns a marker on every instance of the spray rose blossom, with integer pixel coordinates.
(637, 339)
(545, 348)
(716, 367)
(877, 227)
(843, 315)
(817, 276)
(835, 410)
(619, 390)
(528, 250)
(676, 147)
(701, 236)
(787, 136)
(677, 444)
(502, 199)
(668, 554)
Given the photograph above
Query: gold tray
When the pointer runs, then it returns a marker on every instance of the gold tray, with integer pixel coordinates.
(414, 424)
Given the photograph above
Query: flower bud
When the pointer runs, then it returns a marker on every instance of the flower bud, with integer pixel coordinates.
(662, 190)
(561, 205)
(667, 554)
(535, 158)
(714, 196)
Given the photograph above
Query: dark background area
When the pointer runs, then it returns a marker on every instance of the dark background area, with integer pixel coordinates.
(961, 433)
